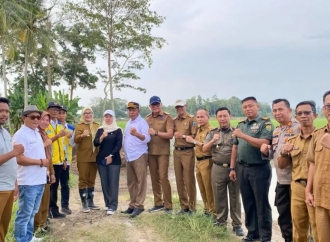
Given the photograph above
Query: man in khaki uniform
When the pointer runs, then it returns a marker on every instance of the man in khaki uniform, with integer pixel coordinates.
(318, 185)
(220, 142)
(204, 161)
(161, 131)
(184, 158)
(293, 154)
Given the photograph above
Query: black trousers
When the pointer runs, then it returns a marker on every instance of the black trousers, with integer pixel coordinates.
(283, 204)
(254, 185)
(65, 189)
(54, 187)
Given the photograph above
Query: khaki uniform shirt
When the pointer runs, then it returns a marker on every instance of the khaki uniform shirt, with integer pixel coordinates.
(185, 125)
(298, 156)
(280, 137)
(321, 157)
(161, 123)
(202, 133)
(221, 149)
(260, 128)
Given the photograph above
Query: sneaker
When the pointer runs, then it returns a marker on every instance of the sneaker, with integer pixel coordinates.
(106, 208)
(249, 238)
(35, 239)
(66, 210)
(58, 215)
(111, 212)
(128, 211)
(238, 231)
(220, 224)
(207, 214)
(184, 211)
(168, 210)
(156, 208)
(45, 229)
(136, 212)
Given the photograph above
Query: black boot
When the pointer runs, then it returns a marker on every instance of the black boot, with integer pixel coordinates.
(90, 198)
(83, 196)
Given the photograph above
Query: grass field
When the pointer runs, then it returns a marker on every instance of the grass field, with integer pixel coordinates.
(320, 122)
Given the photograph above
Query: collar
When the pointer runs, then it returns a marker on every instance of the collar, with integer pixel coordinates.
(256, 118)
(204, 127)
(327, 128)
(183, 116)
(27, 129)
(161, 113)
(54, 121)
(225, 130)
(137, 118)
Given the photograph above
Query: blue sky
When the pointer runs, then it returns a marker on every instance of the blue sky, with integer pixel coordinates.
(269, 49)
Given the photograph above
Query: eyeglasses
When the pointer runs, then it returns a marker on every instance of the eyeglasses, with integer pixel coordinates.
(327, 106)
(33, 117)
(155, 104)
(89, 113)
(53, 109)
(306, 113)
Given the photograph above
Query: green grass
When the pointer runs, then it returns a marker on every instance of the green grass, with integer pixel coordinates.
(10, 233)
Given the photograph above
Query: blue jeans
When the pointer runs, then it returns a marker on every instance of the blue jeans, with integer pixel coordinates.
(28, 205)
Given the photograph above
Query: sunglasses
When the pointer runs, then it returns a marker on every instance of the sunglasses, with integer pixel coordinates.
(33, 117)
(306, 113)
(88, 113)
(327, 106)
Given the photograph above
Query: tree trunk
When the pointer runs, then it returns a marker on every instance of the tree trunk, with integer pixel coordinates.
(26, 98)
(4, 78)
(110, 80)
(71, 92)
(49, 74)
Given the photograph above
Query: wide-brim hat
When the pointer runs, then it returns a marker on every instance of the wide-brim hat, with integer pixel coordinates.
(30, 109)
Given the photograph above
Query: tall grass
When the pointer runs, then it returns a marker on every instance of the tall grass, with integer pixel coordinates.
(10, 234)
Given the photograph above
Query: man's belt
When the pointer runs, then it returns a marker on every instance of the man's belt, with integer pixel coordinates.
(203, 158)
(183, 148)
(243, 163)
(302, 182)
(221, 164)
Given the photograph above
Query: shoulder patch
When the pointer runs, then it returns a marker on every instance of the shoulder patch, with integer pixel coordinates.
(269, 126)
(265, 118)
(194, 123)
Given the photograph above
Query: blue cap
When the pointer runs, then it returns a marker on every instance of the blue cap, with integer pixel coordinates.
(54, 105)
(154, 99)
(64, 108)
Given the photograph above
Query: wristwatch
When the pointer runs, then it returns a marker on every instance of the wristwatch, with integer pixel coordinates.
(231, 169)
(195, 142)
(284, 155)
(183, 136)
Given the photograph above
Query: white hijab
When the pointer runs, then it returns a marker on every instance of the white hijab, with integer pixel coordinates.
(112, 127)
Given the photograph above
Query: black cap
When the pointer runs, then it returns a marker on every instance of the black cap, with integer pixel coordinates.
(54, 105)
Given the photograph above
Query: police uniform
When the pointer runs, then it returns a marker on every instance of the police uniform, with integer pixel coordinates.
(184, 162)
(302, 215)
(221, 154)
(158, 159)
(254, 176)
(203, 169)
(283, 193)
(320, 155)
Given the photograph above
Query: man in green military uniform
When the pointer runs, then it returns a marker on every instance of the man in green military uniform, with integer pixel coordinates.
(220, 143)
(254, 174)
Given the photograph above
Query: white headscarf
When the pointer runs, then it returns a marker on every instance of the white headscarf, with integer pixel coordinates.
(112, 127)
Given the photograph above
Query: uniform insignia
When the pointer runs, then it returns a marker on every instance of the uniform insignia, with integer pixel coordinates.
(289, 131)
(276, 132)
(208, 136)
(274, 141)
(289, 124)
(194, 123)
(269, 127)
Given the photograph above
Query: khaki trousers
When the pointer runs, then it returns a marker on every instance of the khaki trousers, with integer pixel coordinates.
(303, 216)
(203, 176)
(41, 216)
(221, 185)
(136, 172)
(158, 168)
(184, 166)
(6, 206)
(322, 223)
(87, 174)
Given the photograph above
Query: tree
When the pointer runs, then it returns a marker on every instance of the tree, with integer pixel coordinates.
(124, 36)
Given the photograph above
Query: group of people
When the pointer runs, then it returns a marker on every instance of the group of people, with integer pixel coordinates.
(224, 160)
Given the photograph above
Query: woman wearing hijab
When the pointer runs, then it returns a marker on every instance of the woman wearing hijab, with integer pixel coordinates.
(40, 217)
(109, 138)
(86, 158)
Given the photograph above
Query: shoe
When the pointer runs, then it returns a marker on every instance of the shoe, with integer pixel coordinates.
(83, 197)
(184, 211)
(128, 211)
(136, 212)
(66, 210)
(90, 199)
(168, 211)
(156, 208)
(238, 231)
(249, 238)
(35, 239)
(45, 229)
(57, 214)
(220, 224)
(106, 208)
(111, 212)
(290, 240)
(207, 214)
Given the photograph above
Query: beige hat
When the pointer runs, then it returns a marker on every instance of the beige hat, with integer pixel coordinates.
(30, 109)
(179, 103)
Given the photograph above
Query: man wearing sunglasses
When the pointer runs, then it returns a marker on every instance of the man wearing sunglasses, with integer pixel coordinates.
(293, 154)
(55, 132)
(8, 170)
(31, 174)
(318, 183)
(161, 131)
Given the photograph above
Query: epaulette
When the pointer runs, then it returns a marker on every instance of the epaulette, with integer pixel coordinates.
(241, 121)
(214, 129)
(293, 137)
(175, 118)
(269, 123)
(166, 113)
(265, 118)
(149, 115)
(190, 115)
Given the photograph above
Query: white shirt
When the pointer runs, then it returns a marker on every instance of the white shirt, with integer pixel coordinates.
(133, 146)
(34, 149)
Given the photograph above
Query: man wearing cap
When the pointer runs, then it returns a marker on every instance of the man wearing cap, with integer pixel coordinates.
(8, 170)
(184, 158)
(65, 173)
(56, 132)
(136, 149)
(161, 131)
(31, 174)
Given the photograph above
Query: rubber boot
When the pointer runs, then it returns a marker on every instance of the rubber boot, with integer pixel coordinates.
(90, 199)
(83, 196)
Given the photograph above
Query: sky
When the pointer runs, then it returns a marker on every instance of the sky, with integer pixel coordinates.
(268, 49)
